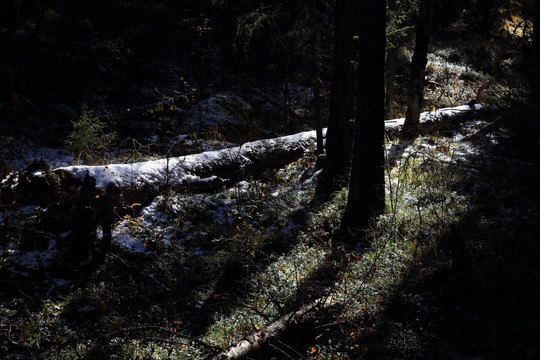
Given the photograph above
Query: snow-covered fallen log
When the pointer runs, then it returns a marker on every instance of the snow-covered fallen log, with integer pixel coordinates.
(440, 114)
(211, 167)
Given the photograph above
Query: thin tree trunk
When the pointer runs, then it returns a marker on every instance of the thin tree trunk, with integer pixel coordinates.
(285, 102)
(339, 137)
(390, 70)
(82, 238)
(318, 119)
(390, 76)
(418, 69)
(535, 88)
(316, 82)
(366, 188)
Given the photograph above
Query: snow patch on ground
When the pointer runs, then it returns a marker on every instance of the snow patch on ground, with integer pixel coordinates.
(177, 218)
(219, 111)
(32, 260)
(29, 153)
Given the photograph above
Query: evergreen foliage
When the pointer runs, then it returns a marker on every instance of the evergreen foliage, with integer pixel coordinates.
(89, 140)
(282, 32)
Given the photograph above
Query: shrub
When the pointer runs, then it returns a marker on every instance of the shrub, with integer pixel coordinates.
(88, 140)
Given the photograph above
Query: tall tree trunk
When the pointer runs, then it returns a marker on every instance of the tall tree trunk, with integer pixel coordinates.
(390, 71)
(339, 137)
(366, 187)
(317, 109)
(415, 92)
(390, 76)
(316, 81)
(535, 88)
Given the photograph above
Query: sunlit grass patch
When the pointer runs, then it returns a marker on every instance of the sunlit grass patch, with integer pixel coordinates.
(424, 181)
(267, 295)
(424, 200)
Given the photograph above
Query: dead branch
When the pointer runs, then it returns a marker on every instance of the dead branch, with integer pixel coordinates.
(307, 315)
(500, 121)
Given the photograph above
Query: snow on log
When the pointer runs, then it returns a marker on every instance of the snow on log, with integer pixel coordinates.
(439, 114)
(305, 317)
(210, 168)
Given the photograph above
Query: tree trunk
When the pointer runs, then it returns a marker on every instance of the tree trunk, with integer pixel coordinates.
(286, 104)
(418, 69)
(82, 238)
(390, 76)
(366, 188)
(316, 82)
(318, 118)
(390, 70)
(339, 137)
(535, 78)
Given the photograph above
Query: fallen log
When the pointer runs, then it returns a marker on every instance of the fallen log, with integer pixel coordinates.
(205, 170)
(118, 189)
(303, 318)
(209, 170)
(499, 122)
(442, 115)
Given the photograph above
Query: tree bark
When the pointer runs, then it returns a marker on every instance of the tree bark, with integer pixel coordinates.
(195, 171)
(366, 187)
(316, 81)
(82, 238)
(339, 137)
(418, 69)
(390, 71)
(318, 118)
(390, 76)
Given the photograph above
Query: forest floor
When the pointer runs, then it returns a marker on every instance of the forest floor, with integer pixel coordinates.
(450, 271)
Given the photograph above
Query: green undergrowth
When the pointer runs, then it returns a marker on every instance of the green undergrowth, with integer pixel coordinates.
(213, 268)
